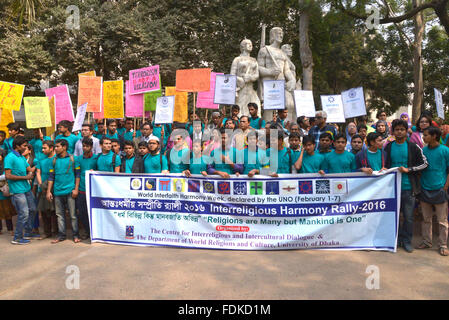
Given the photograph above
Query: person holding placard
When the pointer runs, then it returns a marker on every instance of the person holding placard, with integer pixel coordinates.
(223, 159)
(155, 161)
(304, 125)
(36, 142)
(235, 110)
(65, 134)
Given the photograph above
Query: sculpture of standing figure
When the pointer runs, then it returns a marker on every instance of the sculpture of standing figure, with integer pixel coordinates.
(247, 71)
(273, 65)
(289, 52)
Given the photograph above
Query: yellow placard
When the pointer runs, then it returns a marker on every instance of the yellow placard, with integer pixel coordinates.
(51, 104)
(37, 112)
(181, 113)
(88, 73)
(113, 99)
(11, 95)
(7, 118)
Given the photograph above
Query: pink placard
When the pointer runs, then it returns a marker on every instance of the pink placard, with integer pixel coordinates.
(63, 108)
(134, 103)
(144, 80)
(205, 99)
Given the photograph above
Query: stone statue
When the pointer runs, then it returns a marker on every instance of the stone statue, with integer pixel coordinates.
(287, 49)
(247, 71)
(273, 65)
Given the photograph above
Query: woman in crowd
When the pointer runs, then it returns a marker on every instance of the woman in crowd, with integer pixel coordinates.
(424, 121)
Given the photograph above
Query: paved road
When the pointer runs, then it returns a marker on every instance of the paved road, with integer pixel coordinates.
(38, 271)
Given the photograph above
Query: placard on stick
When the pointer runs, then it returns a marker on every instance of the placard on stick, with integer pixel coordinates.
(193, 80)
(90, 91)
(11, 95)
(37, 112)
(113, 99)
(144, 80)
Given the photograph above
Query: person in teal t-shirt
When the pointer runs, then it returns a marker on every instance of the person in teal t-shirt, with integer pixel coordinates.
(198, 161)
(36, 142)
(64, 130)
(155, 161)
(64, 180)
(224, 159)
(255, 121)
(372, 158)
(294, 141)
(251, 156)
(281, 158)
(107, 160)
(435, 183)
(340, 160)
(309, 160)
(13, 130)
(179, 155)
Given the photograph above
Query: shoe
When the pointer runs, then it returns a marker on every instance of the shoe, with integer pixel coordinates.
(408, 247)
(33, 236)
(444, 251)
(20, 241)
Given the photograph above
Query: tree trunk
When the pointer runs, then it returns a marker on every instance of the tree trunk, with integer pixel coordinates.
(304, 48)
(418, 92)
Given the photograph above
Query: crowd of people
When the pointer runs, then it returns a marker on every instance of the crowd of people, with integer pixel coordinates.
(46, 177)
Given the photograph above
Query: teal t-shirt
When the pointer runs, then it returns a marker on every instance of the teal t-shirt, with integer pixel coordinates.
(340, 163)
(198, 165)
(282, 162)
(18, 166)
(179, 160)
(257, 123)
(220, 165)
(44, 165)
(37, 147)
(152, 163)
(399, 158)
(128, 136)
(105, 163)
(295, 157)
(64, 175)
(86, 164)
(251, 160)
(72, 140)
(129, 165)
(374, 159)
(7, 144)
(121, 131)
(312, 163)
(435, 175)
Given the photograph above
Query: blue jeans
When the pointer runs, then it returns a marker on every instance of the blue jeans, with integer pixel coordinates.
(63, 203)
(26, 211)
(407, 207)
(81, 205)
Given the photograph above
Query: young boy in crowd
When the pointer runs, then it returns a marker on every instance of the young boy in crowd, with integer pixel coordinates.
(154, 160)
(281, 158)
(325, 146)
(198, 161)
(131, 163)
(107, 160)
(356, 144)
(340, 160)
(294, 141)
(371, 159)
(309, 160)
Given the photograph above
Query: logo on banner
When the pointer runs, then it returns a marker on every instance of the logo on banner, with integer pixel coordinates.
(289, 187)
(179, 185)
(208, 186)
(129, 232)
(256, 188)
(224, 188)
(339, 186)
(305, 187)
(164, 184)
(322, 186)
(194, 186)
(240, 188)
(135, 184)
(150, 184)
(272, 188)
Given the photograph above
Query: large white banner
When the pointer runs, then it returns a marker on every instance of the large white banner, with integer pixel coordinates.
(341, 211)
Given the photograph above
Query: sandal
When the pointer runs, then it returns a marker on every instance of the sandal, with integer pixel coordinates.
(444, 251)
(76, 240)
(424, 245)
(56, 241)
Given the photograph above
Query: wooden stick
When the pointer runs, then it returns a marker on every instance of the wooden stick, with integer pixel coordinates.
(194, 104)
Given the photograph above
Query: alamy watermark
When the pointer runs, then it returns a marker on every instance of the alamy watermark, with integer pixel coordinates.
(73, 280)
(373, 280)
(73, 20)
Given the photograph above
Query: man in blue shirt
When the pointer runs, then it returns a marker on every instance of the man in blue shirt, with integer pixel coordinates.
(64, 130)
(321, 127)
(435, 183)
(18, 172)
(255, 121)
(107, 160)
(65, 178)
(87, 162)
(410, 160)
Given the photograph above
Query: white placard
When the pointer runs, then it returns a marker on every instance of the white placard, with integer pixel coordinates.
(274, 94)
(225, 88)
(305, 106)
(439, 103)
(333, 106)
(165, 107)
(79, 120)
(354, 102)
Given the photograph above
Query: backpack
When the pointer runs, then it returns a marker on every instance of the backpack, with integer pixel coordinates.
(71, 163)
(114, 156)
